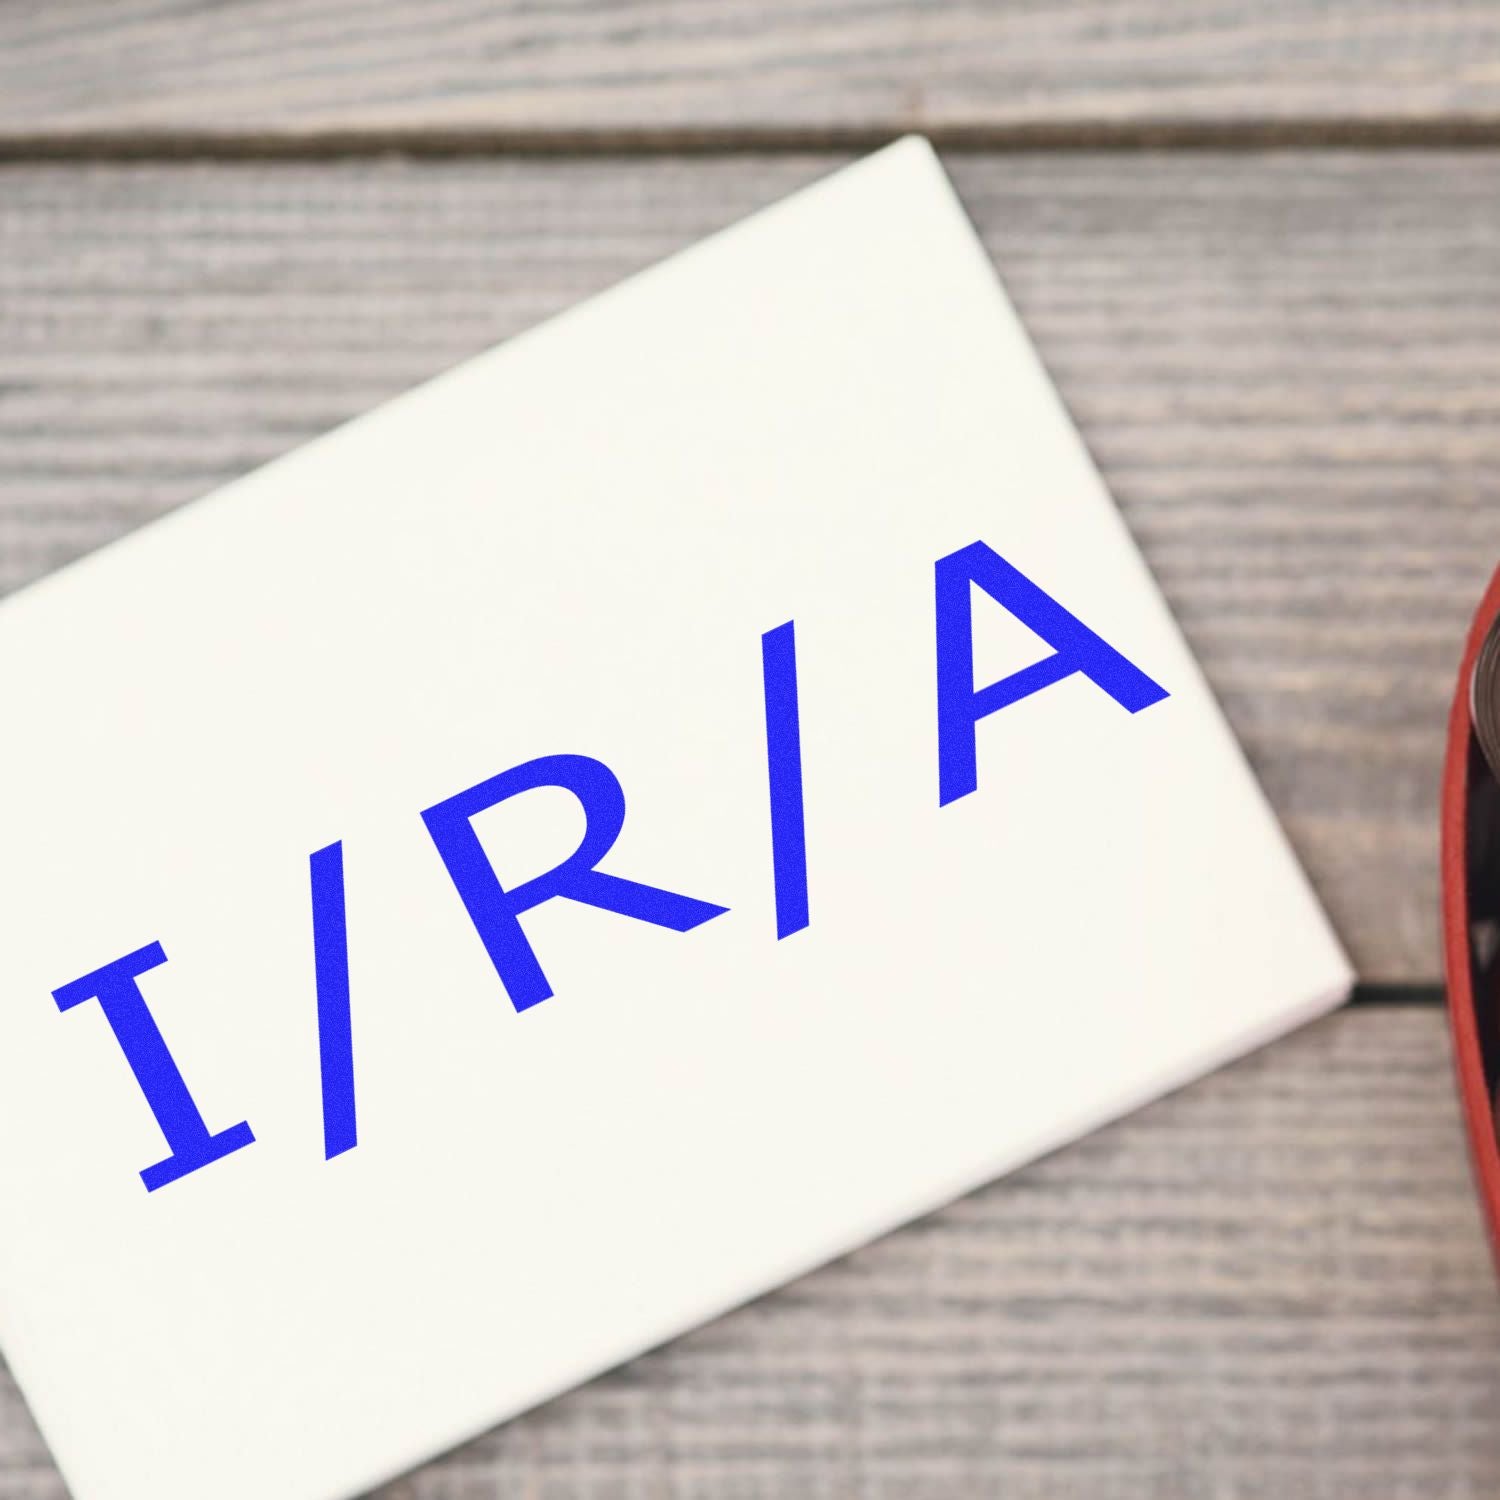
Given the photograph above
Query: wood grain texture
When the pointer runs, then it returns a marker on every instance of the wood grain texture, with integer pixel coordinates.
(1272, 1286)
(1287, 366)
(688, 69)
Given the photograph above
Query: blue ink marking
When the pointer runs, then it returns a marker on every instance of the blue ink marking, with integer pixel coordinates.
(114, 987)
(495, 912)
(778, 656)
(331, 968)
(1076, 649)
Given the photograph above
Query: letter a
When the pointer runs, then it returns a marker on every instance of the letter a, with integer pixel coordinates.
(1075, 649)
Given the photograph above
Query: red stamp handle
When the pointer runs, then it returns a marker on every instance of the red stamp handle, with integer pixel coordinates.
(1478, 1107)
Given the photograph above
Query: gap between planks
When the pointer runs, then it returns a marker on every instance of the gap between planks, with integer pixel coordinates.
(1398, 994)
(1479, 132)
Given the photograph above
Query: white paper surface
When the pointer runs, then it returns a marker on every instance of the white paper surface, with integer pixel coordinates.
(573, 545)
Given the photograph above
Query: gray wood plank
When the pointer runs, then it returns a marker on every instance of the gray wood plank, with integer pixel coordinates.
(1271, 1286)
(1287, 365)
(799, 69)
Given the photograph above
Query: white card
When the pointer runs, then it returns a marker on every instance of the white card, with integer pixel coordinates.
(577, 555)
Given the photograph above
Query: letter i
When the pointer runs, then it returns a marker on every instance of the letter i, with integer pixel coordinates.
(129, 1017)
(778, 651)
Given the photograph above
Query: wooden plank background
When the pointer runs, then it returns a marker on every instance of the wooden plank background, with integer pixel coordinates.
(1287, 362)
(732, 71)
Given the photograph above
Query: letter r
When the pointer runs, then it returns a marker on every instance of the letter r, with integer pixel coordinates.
(495, 912)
